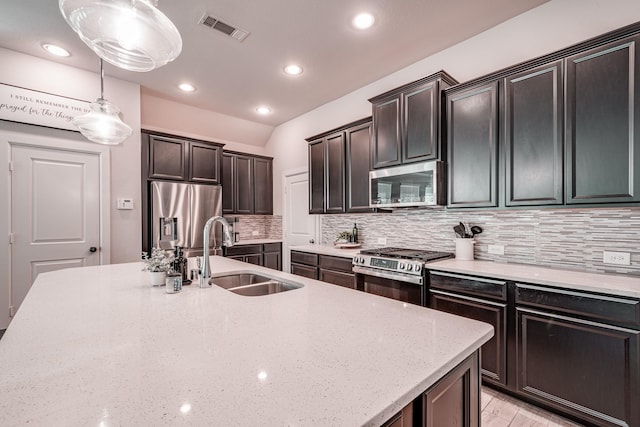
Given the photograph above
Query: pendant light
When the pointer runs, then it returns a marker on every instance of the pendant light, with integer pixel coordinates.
(102, 124)
(130, 34)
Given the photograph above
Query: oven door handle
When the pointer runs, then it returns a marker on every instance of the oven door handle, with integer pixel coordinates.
(416, 280)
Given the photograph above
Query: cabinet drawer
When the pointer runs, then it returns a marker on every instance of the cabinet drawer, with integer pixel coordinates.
(271, 247)
(494, 289)
(616, 310)
(304, 271)
(336, 263)
(304, 258)
(243, 250)
(337, 278)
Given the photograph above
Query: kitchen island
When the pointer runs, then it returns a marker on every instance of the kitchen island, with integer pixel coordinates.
(99, 346)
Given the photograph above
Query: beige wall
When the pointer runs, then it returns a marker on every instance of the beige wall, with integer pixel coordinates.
(35, 73)
(179, 119)
(547, 28)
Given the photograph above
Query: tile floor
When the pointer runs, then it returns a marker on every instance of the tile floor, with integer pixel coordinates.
(500, 410)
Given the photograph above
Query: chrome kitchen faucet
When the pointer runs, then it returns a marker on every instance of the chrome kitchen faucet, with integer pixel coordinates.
(205, 275)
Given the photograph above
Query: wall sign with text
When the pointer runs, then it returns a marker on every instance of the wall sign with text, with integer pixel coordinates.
(39, 108)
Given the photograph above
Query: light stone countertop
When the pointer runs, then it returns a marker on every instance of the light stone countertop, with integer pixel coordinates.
(99, 346)
(615, 284)
(327, 250)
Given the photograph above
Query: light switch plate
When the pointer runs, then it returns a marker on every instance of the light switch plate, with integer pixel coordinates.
(496, 249)
(255, 233)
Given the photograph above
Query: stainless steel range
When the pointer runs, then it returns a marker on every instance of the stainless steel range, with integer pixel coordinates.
(395, 272)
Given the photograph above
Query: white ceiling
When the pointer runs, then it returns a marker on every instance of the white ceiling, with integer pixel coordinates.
(235, 77)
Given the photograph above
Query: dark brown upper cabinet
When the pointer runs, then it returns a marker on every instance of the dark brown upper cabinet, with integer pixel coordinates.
(177, 159)
(339, 169)
(358, 164)
(472, 145)
(603, 124)
(406, 122)
(247, 184)
(533, 136)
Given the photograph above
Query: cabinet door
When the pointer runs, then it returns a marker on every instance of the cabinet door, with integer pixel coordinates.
(603, 124)
(494, 351)
(262, 186)
(386, 133)
(255, 259)
(228, 183)
(420, 125)
(316, 177)
(472, 135)
(334, 173)
(272, 260)
(167, 158)
(204, 163)
(304, 271)
(585, 368)
(533, 143)
(244, 185)
(358, 141)
(338, 278)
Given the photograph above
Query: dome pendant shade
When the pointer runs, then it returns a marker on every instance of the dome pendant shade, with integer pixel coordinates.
(130, 34)
(103, 124)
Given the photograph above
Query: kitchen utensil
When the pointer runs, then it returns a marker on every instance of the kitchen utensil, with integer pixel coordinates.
(475, 230)
(459, 231)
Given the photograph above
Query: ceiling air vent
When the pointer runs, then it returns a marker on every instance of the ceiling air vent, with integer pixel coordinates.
(226, 29)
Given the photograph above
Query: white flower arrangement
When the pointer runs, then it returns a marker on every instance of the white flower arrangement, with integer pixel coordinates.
(159, 260)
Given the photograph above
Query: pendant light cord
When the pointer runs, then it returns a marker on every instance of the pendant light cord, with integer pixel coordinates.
(101, 80)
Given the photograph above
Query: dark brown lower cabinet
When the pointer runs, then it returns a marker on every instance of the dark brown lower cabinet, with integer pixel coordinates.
(453, 401)
(576, 353)
(326, 268)
(267, 254)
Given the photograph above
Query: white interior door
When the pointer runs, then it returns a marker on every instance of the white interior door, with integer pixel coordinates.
(55, 213)
(300, 228)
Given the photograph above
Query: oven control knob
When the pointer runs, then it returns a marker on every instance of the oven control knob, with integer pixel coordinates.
(361, 260)
(418, 268)
(402, 266)
(409, 267)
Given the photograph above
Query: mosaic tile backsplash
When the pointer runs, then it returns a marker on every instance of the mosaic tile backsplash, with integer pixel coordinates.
(562, 238)
(264, 226)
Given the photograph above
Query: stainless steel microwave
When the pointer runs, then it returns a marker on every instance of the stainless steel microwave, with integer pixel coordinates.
(417, 184)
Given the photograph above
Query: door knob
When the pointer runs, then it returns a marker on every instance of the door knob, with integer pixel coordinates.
(311, 241)
(93, 249)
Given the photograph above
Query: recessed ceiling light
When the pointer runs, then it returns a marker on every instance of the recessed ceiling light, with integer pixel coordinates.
(264, 110)
(293, 69)
(186, 87)
(55, 50)
(362, 21)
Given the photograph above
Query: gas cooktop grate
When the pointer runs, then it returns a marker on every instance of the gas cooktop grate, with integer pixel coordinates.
(403, 253)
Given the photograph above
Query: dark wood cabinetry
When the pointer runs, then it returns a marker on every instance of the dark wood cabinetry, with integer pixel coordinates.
(326, 268)
(177, 159)
(339, 169)
(533, 136)
(603, 123)
(406, 122)
(480, 299)
(569, 359)
(472, 144)
(247, 184)
(574, 352)
(265, 254)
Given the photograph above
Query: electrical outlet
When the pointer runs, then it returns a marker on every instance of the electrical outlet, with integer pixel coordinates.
(496, 249)
(618, 258)
(382, 240)
(255, 233)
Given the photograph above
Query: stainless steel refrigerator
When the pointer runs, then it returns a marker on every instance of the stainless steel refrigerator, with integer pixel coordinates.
(179, 212)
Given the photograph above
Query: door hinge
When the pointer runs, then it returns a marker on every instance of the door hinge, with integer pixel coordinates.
(11, 312)
(12, 238)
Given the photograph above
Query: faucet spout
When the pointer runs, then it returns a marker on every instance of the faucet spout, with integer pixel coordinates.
(228, 241)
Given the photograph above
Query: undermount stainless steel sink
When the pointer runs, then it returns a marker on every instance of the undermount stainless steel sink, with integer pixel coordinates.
(251, 284)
